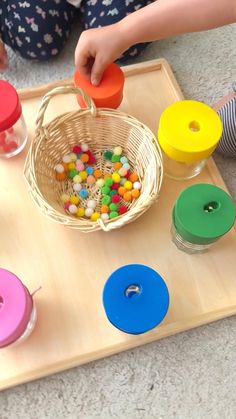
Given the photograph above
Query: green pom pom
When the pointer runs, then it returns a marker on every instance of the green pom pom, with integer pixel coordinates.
(106, 200)
(113, 214)
(73, 173)
(115, 158)
(113, 192)
(113, 207)
(108, 155)
(108, 181)
(105, 190)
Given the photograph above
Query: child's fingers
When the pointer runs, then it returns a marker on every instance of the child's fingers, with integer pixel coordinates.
(98, 69)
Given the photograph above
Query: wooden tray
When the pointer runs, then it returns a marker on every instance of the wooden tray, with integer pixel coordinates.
(72, 267)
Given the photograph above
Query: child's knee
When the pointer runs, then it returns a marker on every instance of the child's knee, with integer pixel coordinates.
(36, 33)
(227, 113)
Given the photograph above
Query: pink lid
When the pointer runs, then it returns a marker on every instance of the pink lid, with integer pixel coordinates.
(16, 305)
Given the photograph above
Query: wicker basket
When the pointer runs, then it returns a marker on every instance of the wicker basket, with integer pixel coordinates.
(101, 129)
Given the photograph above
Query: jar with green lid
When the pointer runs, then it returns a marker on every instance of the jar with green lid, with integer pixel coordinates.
(188, 133)
(202, 214)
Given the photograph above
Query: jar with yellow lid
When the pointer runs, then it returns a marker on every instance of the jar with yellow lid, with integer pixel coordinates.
(188, 134)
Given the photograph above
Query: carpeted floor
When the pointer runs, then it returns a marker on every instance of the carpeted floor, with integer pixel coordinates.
(188, 376)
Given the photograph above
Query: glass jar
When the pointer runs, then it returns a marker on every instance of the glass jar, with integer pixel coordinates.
(13, 131)
(188, 134)
(185, 245)
(202, 214)
(17, 310)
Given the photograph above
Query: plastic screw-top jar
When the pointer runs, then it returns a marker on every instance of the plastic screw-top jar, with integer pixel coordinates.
(188, 134)
(202, 214)
(109, 93)
(13, 131)
(17, 310)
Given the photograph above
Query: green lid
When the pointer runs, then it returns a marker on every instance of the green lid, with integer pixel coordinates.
(203, 213)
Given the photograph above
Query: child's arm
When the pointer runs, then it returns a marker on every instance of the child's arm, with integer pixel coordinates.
(97, 48)
(3, 56)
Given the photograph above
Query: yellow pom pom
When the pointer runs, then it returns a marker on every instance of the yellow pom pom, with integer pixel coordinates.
(95, 216)
(83, 175)
(115, 177)
(77, 179)
(74, 199)
(65, 197)
(71, 166)
(128, 185)
(80, 212)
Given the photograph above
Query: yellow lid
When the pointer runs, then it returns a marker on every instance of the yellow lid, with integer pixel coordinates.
(189, 131)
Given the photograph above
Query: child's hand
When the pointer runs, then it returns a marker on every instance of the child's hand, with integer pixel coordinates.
(97, 48)
(3, 57)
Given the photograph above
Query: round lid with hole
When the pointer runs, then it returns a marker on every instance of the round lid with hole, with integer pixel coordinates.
(189, 131)
(16, 305)
(203, 213)
(135, 299)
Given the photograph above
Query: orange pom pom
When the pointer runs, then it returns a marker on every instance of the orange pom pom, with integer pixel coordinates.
(104, 209)
(133, 177)
(121, 190)
(84, 158)
(135, 193)
(107, 175)
(127, 196)
(66, 166)
(117, 165)
(60, 176)
(97, 173)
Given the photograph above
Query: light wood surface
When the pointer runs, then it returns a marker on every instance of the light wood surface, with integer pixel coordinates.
(72, 267)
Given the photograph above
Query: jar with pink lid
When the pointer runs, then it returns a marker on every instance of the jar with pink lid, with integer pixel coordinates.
(17, 310)
(13, 131)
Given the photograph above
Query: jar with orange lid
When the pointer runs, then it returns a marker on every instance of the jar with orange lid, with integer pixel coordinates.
(109, 93)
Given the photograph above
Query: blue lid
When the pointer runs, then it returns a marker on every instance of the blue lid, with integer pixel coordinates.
(135, 299)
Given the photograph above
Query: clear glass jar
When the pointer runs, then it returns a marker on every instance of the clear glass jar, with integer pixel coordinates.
(185, 246)
(29, 329)
(180, 171)
(188, 134)
(14, 139)
(13, 131)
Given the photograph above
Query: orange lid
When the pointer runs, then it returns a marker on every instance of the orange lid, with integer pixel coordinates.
(109, 93)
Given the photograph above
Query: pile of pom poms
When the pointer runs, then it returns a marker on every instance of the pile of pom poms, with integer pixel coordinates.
(97, 194)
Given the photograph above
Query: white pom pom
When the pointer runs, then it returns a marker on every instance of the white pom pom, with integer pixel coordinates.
(104, 216)
(91, 203)
(100, 182)
(73, 209)
(66, 158)
(77, 187)
(59, 168)
(117, 151)
(89, 212)
(137, 185)
(84, 147)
